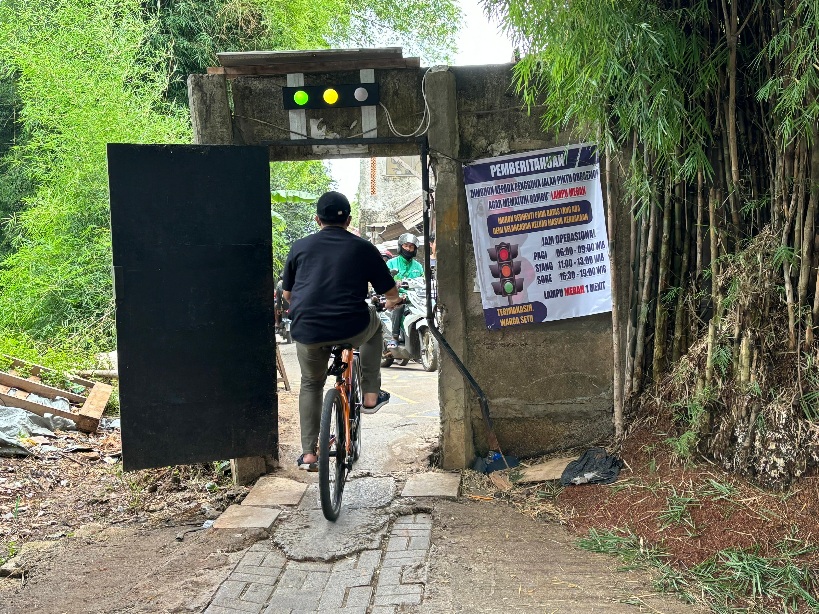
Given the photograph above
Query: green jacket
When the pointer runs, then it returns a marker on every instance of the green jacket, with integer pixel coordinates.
(407, 269)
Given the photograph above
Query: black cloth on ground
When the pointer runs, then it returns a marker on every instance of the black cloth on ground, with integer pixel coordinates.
(595, 466)
(328, 274)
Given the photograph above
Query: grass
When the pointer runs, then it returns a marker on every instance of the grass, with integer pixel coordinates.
(11, 551)
(732, 580)
(678, 509)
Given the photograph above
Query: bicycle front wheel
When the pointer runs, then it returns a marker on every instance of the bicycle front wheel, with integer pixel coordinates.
(356, 402)
(332, 461)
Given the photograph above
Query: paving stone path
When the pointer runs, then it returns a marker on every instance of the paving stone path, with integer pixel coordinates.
(368, 582)
(371, 561)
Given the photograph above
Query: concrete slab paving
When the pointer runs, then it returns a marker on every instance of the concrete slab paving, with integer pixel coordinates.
(433, 484)
(360, 493)
(272, 491)
(307, 535)
(241, 517)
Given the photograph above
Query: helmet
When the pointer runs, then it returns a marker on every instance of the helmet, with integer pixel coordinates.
(408, 237)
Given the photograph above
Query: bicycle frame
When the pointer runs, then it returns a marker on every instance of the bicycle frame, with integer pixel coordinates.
(344, 385)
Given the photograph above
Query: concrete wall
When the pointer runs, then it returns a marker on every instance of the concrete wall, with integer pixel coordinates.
(549, 385)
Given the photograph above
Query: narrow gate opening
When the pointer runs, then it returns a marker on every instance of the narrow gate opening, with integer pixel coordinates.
(387, 201)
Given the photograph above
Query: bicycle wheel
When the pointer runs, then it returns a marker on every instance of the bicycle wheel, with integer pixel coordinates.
(355, 408)
(332, 467)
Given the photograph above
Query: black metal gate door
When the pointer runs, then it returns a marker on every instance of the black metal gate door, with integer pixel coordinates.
(193, 281)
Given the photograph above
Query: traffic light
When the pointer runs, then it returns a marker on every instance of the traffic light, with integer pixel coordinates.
(506, 269)
(330, 96)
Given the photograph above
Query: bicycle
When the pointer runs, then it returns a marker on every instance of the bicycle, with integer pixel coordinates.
(339, 444)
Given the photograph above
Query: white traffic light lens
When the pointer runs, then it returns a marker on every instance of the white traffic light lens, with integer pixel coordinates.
(361, 94)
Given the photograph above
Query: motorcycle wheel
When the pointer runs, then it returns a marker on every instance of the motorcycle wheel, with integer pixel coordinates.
(387, 361)
(288, 338)
(403, 363)
(429, 351)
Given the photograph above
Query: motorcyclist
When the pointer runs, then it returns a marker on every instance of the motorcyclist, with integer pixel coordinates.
(403, 266)
(280, 305)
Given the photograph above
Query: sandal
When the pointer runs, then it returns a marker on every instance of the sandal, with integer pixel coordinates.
(383, 399)
(304, 466)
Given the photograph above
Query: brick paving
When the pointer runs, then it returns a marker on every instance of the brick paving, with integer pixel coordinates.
(369, 582)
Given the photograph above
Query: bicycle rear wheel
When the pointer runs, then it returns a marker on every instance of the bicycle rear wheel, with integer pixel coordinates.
(332, 461)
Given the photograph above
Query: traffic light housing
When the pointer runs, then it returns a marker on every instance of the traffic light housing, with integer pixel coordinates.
(506, 270)
(330, 96)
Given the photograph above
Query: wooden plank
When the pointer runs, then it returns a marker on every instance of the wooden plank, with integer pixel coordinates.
(247, 58)
(37, 388)
(95, 404)
(280, 367)
(312, 67)
(544, 472)
(36, 408)
(37, 369)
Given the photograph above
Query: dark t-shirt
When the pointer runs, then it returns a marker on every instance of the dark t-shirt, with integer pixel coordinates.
(328, 274)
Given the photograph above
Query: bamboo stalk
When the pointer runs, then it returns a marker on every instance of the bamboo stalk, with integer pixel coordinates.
(615, 300)
(805, 268)
(661, 315)
(679, 317)
(642, 321)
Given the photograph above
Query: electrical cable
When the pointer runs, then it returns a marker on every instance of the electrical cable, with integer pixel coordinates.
(425, 119)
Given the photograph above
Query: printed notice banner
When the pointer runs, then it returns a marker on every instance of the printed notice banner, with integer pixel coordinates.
(539, 232)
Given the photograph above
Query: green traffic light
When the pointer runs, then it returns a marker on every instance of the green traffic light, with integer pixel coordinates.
(301, 98)
(509, 287)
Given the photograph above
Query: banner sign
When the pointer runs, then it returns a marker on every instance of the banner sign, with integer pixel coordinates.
(539, 232)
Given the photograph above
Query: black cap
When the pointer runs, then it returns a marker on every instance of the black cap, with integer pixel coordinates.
(333, 207)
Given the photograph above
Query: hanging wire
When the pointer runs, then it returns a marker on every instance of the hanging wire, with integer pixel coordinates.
(424, 125)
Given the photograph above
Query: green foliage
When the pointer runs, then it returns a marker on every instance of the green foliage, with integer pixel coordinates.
(189, 33)
(612, 68)
(294, 219)
(784, 254)
(14, 185)
(678, 509)
(82, 85)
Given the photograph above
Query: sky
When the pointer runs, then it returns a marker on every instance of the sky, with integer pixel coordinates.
(479, 42)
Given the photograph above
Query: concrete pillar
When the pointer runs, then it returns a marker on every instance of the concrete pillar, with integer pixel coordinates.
(457, 447)
(210, 111)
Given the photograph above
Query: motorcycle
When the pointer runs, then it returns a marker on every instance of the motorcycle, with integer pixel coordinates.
(416, 341)
(283, 327)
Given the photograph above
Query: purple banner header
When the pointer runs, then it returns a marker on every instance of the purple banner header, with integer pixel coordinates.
(519, 166)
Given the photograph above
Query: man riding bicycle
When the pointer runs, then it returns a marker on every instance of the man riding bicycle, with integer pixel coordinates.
(326, 279)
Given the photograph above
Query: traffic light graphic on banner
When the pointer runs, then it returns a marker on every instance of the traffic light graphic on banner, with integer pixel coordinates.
(330, 96)
(506, 270)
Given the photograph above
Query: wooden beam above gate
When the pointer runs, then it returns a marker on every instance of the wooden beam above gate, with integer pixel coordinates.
(258, 63)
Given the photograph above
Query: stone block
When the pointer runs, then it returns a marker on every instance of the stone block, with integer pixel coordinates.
(246, 517)
(269, 579)
(359, 596)
(433, 484)
(258, 593)
(397, 544)
(238, 605)
(419, 543)
(272, 491)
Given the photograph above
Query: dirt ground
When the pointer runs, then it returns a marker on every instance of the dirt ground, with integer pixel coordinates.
(91, 538)
(490, 558)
